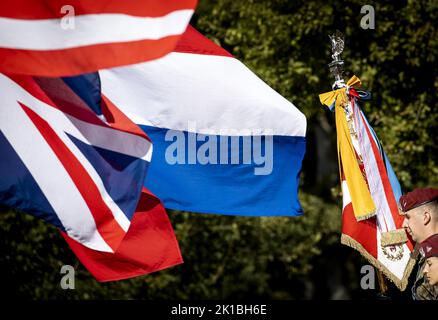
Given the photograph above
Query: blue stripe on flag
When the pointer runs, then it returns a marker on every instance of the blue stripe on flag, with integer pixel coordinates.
(231, 189)
(87, 87)
(119, 174)
(18, 188)
(396, 188)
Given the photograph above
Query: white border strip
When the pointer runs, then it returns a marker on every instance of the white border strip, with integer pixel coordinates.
(89, 29)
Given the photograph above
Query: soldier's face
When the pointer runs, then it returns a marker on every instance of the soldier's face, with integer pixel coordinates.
(431, 270)
(414, 224)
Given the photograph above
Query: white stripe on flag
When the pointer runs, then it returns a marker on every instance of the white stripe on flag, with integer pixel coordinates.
(219, 94)
(89, 29)
(109, 139)
(346, 198)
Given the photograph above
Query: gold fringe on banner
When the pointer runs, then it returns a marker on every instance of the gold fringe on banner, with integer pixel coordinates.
(401, 284)
(362, 202)
(393, 237)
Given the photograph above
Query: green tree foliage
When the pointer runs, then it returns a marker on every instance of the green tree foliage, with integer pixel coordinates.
(286, 44)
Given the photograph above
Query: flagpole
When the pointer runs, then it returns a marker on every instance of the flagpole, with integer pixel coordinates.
(337, 70)
(337, 64)
(383, 286)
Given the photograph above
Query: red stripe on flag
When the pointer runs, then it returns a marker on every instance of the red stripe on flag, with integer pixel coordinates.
(364, 232)
(118, 120)
(50, 9)
(389, 194)
(108, 228)
(55, 93)
(75, 61)
(149, 245)
(194, 42)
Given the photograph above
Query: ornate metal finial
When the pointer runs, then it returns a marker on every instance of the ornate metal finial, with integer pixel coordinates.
(337, 40)
(336, 66)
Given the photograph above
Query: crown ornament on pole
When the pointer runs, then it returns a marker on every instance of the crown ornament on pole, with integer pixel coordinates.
(337, 64)
(337, 70)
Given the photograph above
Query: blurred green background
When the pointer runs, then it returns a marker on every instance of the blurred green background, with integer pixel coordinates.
(286, 44)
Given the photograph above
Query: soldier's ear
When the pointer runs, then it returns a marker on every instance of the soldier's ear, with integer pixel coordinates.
(426, 217)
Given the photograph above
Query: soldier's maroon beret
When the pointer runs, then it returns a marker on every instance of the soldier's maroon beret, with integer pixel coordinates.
(429, 247)
(417, 198)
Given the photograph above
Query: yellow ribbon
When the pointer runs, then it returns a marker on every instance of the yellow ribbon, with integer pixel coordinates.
(363, 204)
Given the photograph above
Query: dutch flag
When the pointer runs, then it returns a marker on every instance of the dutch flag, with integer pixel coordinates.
(224, 141)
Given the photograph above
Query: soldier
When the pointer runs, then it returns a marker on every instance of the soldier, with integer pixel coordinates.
(429, 250)
(420, 209)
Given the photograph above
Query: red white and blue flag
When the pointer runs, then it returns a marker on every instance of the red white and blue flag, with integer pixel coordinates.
(53, 38)
(242, 143)
(81, 170)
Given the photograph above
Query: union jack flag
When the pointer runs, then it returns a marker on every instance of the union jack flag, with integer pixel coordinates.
(73, 163)
(68, 154)
(72, 158)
